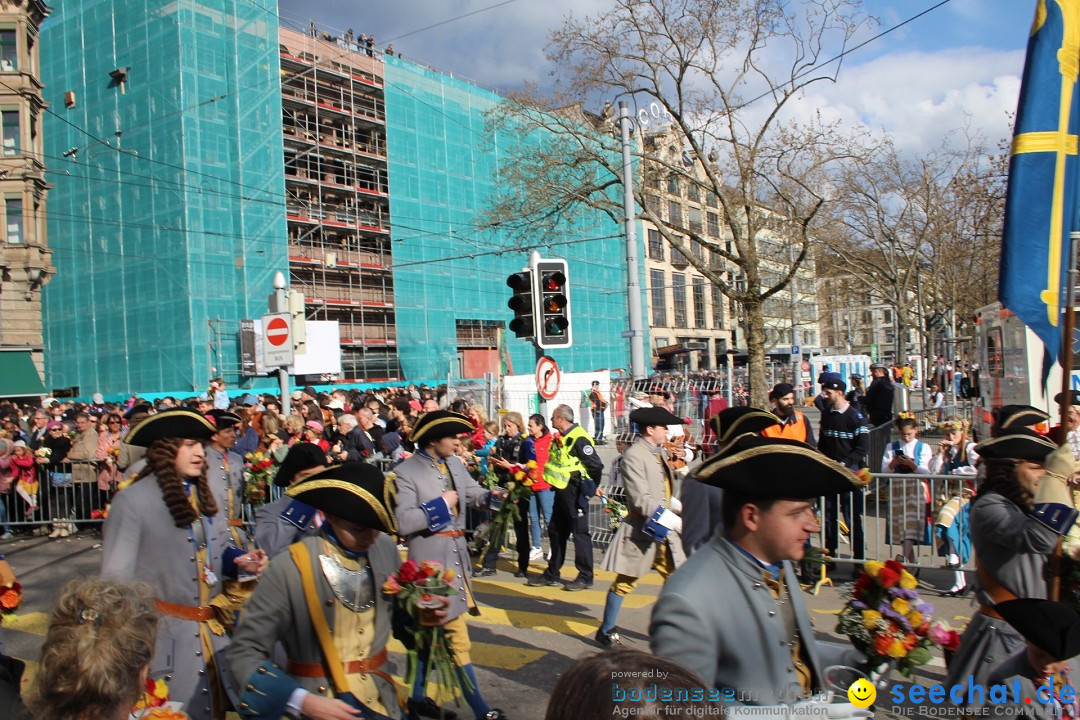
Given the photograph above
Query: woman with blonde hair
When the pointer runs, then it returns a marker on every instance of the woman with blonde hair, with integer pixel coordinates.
(956, 455)
(97, 652)
(509, 453)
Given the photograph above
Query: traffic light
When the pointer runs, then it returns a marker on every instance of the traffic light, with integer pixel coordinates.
(553, 293)
(521, 303)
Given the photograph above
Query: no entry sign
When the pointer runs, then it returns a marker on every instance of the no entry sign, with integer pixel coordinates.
(277, 340)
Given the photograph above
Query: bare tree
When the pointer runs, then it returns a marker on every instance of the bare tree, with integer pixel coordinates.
(932, 220)
(724, 74)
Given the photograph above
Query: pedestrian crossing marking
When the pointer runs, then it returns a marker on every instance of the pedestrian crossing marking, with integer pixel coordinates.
(827, 611)
(517, 588)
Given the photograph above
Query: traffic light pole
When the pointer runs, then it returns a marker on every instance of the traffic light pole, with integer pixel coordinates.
(636, 332)
(541, 403)
(283, 373)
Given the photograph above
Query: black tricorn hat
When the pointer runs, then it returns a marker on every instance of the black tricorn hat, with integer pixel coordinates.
(1052, 627)
(734, 421)
(766, 467)
(654, 416)
(223, 419)
(1017, 444)
(438, 424)
(356, 492)
(1074, 397)
(301, 456)
(170, 424)
(1009, 417)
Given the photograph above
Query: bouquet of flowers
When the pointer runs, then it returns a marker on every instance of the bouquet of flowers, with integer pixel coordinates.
(101, 514)
(43, 452)
(508, 510)
(886, 620)
(615, 509)
(114, 453)
(259, 471)
(417, 588)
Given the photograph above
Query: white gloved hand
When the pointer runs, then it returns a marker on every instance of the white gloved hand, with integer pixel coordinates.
(676, 524)
(675, 505)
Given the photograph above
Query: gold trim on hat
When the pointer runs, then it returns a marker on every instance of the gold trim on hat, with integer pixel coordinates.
(422, 428)
(132, 434)
(334, 484)
(746, 416)
(707, 470)
(1033, 437)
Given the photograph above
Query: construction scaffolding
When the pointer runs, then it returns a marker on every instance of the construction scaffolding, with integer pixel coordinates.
(337, 198)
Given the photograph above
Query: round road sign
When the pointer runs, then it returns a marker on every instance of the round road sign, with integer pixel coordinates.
(277, 332)
(805, 366)
(547, 377)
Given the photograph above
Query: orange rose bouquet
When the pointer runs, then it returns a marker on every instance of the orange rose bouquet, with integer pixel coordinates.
(10, 597)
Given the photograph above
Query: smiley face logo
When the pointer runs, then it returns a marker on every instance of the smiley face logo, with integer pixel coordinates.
(862, 693)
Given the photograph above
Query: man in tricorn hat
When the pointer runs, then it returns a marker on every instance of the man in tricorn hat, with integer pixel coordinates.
(433, 491)
(649, 535)
(337, 573)
(167, 530)
(1068, 433)
(742, 592)
(280, 523)
(225, 471)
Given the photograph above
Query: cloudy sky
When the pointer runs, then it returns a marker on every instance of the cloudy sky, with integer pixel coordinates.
(958, 64)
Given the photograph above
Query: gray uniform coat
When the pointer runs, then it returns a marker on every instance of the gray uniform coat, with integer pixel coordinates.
(631, 551)
(418, 481)
(717, 617)
(274, 534)
(277, 612)
(228, 487)
(141, 542)
(1017, 669)
(1011, 546)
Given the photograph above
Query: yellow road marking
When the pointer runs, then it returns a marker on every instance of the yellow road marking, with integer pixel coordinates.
(485, 586)
(35, 623)
(490, 655)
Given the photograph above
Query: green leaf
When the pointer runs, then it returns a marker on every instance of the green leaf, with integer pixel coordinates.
(918, 656)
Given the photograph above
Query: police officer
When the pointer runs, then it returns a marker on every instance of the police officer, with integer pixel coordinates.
(574, 470)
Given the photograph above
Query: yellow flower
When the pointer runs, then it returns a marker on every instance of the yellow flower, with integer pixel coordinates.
(161, 690)
(870, 619)
(900, 605)
(873, 567)
(897, 649)
(915, 618)
(908, 581)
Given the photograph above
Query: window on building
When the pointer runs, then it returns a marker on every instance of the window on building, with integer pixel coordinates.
(717, 309)
(678, 298)
(10, 120)
(674, 213)
(710, 199)
(693, 192)
(887, 317)
(656, 245)
(652, 203)
(14, 218)
(659, 306)
(673, 184)
(9, 50)
(714, 225)
(697, 249)
(694, 215)
(700, 319)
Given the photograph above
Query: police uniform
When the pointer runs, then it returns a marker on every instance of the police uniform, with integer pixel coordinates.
(649, 535)
(574, 470)
(344, 587)
(434, 531)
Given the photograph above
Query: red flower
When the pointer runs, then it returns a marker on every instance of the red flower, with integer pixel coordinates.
(864, 583)
(894, 566)
(882, 643)
(953, 643)
(888, 577)
(409, 572)
(922, 629)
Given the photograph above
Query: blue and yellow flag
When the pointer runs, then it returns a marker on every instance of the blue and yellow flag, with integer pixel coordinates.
(1041, 205)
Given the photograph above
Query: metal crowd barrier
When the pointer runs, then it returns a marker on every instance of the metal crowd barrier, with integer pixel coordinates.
(67, 492)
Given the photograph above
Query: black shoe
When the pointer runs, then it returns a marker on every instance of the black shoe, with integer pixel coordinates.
(496, 714)
(483, 572)
(521, 574)
(578, 584)
(541, 581)
(607, 639)
(428, 708)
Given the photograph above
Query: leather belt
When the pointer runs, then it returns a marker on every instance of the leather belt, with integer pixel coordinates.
(449, 533)
(990, 612)
(185, 612)
(352, 667)
(236, 522)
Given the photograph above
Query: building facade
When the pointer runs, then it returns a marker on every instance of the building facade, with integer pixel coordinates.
(167, 220)
(25, 258)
